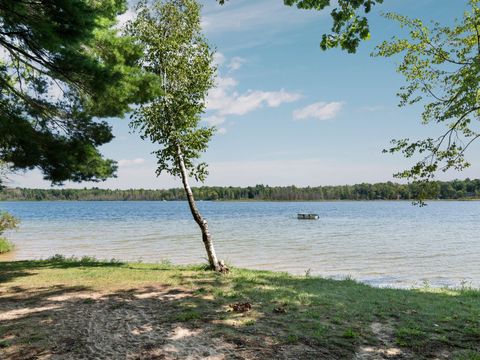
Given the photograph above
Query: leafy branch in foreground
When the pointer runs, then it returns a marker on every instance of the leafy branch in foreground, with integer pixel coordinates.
(174, 49)
(63, 64)
(349, 27)
(441, 65)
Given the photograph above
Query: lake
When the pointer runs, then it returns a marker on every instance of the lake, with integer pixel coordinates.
(383, 243)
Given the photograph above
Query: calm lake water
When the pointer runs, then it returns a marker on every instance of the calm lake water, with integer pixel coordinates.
(381, 243)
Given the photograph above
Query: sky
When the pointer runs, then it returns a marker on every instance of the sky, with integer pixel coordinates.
(288, 113)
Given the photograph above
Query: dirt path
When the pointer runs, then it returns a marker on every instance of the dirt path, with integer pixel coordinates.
(386, 348)
(138, 328)
(136, 324)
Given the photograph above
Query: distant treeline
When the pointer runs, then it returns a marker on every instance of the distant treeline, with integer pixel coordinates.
(457, 189)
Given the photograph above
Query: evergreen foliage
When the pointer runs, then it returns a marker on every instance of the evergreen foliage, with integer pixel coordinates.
(63, 63)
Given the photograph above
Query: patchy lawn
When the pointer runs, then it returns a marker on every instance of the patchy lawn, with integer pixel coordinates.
(72, 309)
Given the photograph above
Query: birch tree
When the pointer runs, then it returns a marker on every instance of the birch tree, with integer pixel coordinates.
(175, 49)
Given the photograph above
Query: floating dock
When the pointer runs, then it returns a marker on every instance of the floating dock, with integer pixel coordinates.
(308, 216)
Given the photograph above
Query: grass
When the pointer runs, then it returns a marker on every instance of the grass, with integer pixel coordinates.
(5, 245)
(335, 316)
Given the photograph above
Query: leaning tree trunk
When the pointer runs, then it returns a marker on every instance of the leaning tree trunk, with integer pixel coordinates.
(215, 264)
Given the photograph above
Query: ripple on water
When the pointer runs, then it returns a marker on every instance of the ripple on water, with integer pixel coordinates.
(381, 243)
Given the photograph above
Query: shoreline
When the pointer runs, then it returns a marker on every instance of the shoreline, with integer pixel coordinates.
(254, 201)
(374, 282)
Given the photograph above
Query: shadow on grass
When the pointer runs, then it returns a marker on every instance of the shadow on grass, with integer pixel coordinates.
(153, 322)
(338, 315)
(10, 270)
(291, 317)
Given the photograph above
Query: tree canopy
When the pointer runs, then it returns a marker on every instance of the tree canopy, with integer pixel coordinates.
(441, 66)
(176, 51)
(62, 64)
(350, 23)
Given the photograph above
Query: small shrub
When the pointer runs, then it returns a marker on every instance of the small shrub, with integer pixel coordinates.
(81, 261)
(5, 245)
(85, 260)
(57, 258)
(7, 222)
(166, 262)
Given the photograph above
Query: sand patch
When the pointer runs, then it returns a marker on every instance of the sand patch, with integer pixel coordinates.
(129, 324)
(155, 322)
(386, 349)
(19, 313)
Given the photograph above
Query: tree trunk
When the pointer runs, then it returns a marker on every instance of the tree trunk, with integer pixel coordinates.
(215, 264)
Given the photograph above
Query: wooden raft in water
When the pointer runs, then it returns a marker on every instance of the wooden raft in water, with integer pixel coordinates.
(308, 216)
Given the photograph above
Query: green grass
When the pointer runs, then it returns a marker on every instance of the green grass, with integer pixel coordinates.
(335, 316)
(5, 245)
(188, 316)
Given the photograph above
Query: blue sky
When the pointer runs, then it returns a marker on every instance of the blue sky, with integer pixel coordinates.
(287, 112)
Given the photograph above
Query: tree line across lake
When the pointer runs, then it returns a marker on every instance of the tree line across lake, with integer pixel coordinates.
(456, 189)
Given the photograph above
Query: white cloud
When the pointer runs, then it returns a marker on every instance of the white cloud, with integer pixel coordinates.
(225, 83)
(215, 120)
(372, 108)
(220, 93)
(253, 100)
(130, 162)
(235, 63)
(225, 101)
(222, 131)
(247, 15)
(218, 58)
(320, 110)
